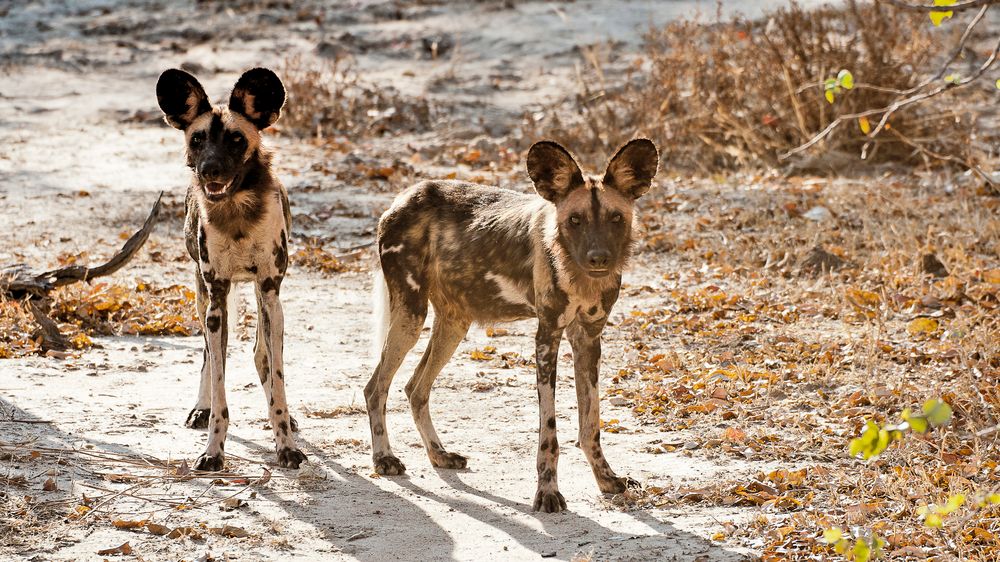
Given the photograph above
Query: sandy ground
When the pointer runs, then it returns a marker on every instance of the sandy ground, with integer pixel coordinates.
(77, 114)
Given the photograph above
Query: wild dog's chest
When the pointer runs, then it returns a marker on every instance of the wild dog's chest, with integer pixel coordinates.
(254, 251)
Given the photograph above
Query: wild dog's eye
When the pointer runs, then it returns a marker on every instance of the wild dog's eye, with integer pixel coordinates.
(574, 220)
(617, 217)
(238, 138)
(196, 139)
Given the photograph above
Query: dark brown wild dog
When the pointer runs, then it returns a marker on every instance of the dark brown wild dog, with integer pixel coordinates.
(236, 229)
(485, 254)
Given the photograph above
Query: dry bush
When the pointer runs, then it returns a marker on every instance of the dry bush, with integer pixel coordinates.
(332, 98)
(738, 93)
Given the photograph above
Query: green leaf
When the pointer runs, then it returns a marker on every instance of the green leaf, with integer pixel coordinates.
(954, 502)
(877, 544)
(829, 96)
(953, 78)
(997, 83)
(832, 535)
(917, 423)
(938, 412)
(830, 83)
(842, 546)
(938, 17)
(861, 551)
(845, 79)
(992, 498)
(933, 520)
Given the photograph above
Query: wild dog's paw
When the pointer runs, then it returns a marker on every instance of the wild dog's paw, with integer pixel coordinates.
(618, 484)
(210, 463)
(290, 458)
(443, 459)
(293, 424)
(198, 418)
(549, 501)
(389, 465)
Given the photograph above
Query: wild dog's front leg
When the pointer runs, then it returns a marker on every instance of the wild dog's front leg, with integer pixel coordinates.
(547, 498)
(272, 320)
(198, 416)
(585, 339)
(216, 337)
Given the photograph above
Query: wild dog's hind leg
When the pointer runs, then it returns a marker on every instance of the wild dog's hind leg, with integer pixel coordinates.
(272, 322)
(198, 417)
(445, 337)
(216, 336)
(547, 498)
(585, 339)
(406, 318)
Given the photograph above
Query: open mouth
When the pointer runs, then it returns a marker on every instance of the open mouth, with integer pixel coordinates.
(215, 190)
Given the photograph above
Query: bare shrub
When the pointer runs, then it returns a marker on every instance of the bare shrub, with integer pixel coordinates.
(737, 93)
(332, 98)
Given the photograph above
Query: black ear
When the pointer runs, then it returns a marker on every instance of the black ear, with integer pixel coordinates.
(553, 170)
(632, 168)
(181, 98)
(258, 95)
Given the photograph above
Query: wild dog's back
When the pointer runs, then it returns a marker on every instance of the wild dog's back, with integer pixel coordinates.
(468, 248)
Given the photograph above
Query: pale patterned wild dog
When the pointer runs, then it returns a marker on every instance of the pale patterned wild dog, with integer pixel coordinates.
(485, 254)
(236, 229)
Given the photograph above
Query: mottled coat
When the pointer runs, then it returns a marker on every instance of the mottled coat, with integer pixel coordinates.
(236, 229)
(487, 255)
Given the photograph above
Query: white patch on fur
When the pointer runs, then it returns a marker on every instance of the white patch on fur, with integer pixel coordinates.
(509, 290)
(393, 249)
(412, 282)
(380, 314)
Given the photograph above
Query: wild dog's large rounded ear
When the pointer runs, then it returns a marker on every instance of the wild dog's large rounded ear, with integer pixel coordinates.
(181, 98)
(553, 170)
(632, 168)
(258, 95)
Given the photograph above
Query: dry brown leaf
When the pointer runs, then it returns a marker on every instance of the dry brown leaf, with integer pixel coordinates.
(124, 549)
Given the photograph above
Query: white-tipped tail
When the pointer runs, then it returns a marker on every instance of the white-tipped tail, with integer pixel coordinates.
(380, 314)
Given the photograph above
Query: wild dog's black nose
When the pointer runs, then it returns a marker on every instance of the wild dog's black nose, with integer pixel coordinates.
(210, 169)
(598, 259)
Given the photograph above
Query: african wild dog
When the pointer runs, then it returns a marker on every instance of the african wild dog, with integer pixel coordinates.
(236, 229)
(484, 254)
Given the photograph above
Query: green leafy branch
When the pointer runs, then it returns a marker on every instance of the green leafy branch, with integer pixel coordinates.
(834, 86)
(935, 84)
(865, 547)
(874, 440)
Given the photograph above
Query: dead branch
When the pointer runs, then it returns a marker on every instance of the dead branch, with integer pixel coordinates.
(959, 7)
(17, 281)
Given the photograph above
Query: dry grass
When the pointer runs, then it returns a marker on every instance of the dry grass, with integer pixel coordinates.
(333, 99)
(737, 93)
(749, 354)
